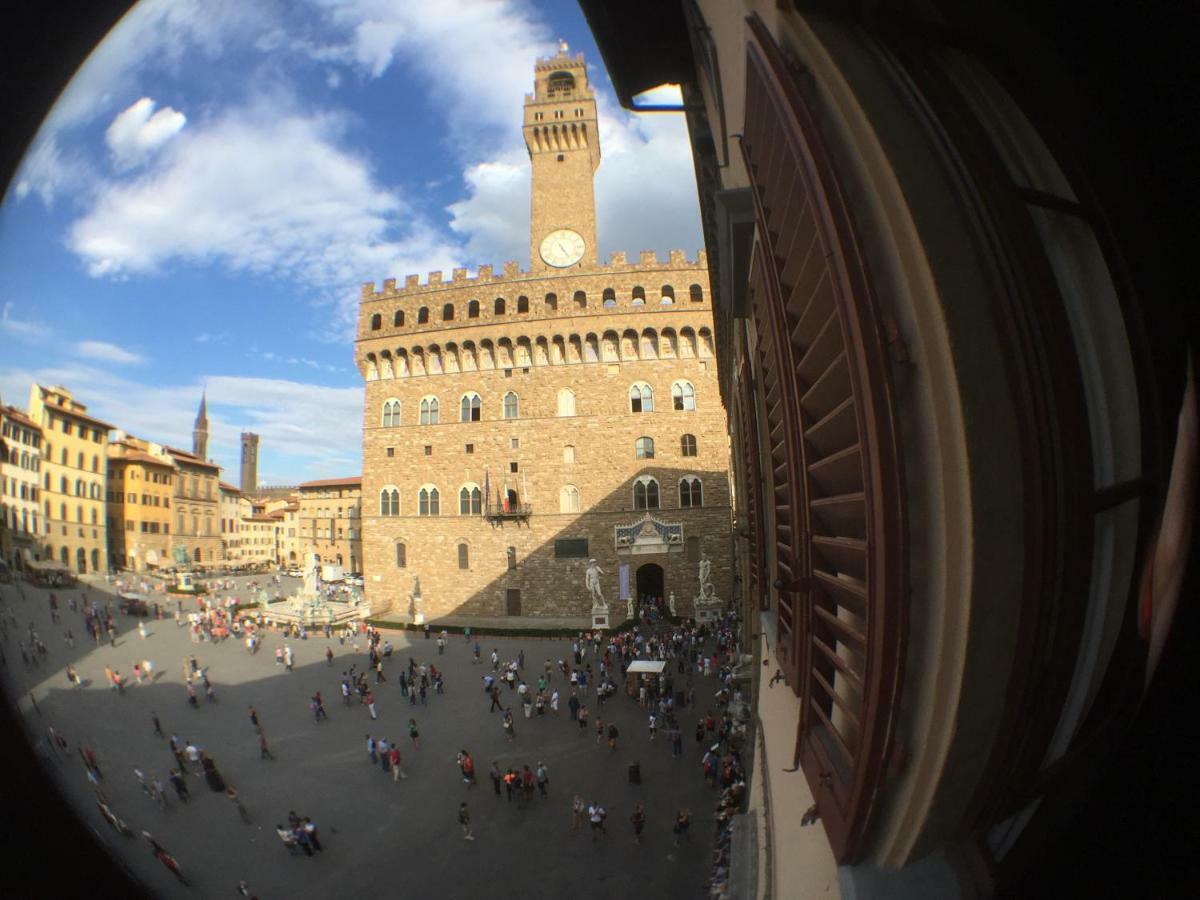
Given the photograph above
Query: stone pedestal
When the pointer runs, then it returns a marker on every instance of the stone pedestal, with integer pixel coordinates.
(707, 609)
(600, 617)
(418, 618)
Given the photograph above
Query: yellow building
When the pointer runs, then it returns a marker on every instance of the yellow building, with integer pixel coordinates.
(289, 535)
(197, 509)
(20, 487)
(141, 485)
(329, 516)
(74, 474)
(230, 518)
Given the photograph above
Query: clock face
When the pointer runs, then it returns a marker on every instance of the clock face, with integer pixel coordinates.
(562, 248)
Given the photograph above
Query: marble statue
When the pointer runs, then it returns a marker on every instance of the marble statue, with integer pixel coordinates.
(414, 601)
(706, 587)
(592, 581)
(312, 573)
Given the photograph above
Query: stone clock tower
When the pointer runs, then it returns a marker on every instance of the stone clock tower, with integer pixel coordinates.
(564, 151)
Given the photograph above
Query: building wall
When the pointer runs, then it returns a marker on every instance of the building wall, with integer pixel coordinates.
(20, 486)
(196, 503)
(73, 479)
(230, 520)
(139, 516)
(654, 343)
(329, 523)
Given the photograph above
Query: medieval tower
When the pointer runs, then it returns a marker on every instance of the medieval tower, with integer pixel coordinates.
(249, 462)
(200, 429)
(517, 425)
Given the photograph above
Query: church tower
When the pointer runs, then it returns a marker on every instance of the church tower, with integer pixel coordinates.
(200, 429)
(564, 151)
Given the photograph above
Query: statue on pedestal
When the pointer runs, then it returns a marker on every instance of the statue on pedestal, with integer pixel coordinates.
(312, 573)
(671, 602)
(414, 603)
(706, 588)
(592, 581)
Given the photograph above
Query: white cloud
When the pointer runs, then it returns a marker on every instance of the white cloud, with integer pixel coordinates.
(494, 216)
(22, 328)
(138, 131)
(259, 190)
(220, 337)
(106, 352)
(308, 431)
(48, 171)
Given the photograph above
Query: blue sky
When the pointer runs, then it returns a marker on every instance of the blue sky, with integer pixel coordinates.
(204, 201)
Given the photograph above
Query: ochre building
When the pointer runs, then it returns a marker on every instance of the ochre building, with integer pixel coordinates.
(20, 470)
(328, 514)
(518, 424)
(141, 485)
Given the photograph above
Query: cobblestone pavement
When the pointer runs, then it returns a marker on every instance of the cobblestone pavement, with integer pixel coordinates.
(377, 835)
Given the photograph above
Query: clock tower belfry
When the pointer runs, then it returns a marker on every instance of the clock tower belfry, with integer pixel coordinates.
(564, 151)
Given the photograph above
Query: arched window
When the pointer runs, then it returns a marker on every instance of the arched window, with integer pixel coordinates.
(62, 486)
(469, 408)
(498, 306)
(389, 502)
(473, 309)
(639, 296)
(687, 445)
(470, 500)
(429, 410)
(568, 499)
(569, 453)
(511, 555)
(391, 413)
(511, 405)
(522, 304)
(580, 300)
(610, 298)
(552, 302)
(79, 465)
(668, 295)
(448, 312)
(641, 398)
(643, 448)
(401, 556)
(95, 463)
(79, 488)
(689, 492)
(376, 322)
(645, 493)
(464, 556)
(683, 395)
(696, 293)
(398, 318)
(566, 402)
(428, 503)
(63, 456)
(423, 315)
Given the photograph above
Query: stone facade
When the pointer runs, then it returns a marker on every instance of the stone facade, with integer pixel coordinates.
(502, 443)
(74, 479)
(197, 509)
(329, 515)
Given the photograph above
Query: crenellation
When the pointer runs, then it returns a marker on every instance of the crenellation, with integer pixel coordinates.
(435, 277)
(412, 281)
(368, 290)
(617, 259)
(485, 273)
(677, 258)
(648, 258)
(389, 285)
(458, 275)
(512, 269)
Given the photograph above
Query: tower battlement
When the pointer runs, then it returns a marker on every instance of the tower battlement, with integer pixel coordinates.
(648, 261)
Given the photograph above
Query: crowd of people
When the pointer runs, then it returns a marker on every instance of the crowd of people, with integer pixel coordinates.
(587, 677)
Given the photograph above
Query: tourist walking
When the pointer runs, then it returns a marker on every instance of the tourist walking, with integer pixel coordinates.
(496, 776)
(464, 819)
(578, 813)
(264, 752)
(682, 821)
(414, 734)
(543, 778)
(596, 816)
(639, 822)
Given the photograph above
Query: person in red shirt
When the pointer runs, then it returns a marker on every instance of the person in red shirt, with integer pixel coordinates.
(468, 769)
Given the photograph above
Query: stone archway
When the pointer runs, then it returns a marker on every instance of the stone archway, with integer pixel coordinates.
(651, 583)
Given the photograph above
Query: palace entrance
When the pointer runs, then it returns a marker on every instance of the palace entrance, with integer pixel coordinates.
(649, 583)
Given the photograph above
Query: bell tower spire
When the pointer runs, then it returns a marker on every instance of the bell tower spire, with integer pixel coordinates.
(564, 152)
(200, 429)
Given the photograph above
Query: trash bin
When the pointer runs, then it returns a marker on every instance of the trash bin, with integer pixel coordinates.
(635, 773)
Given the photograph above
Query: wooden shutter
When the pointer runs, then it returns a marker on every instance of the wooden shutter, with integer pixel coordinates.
(832, 440)
(752, 496)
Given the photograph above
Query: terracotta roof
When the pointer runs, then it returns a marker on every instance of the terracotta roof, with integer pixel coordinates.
(353, 480)
(18, 416)
(226, 486)
(191, 458)
(139, 456)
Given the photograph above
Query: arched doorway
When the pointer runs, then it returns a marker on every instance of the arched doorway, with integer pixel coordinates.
(81, 560)
(650, 588)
